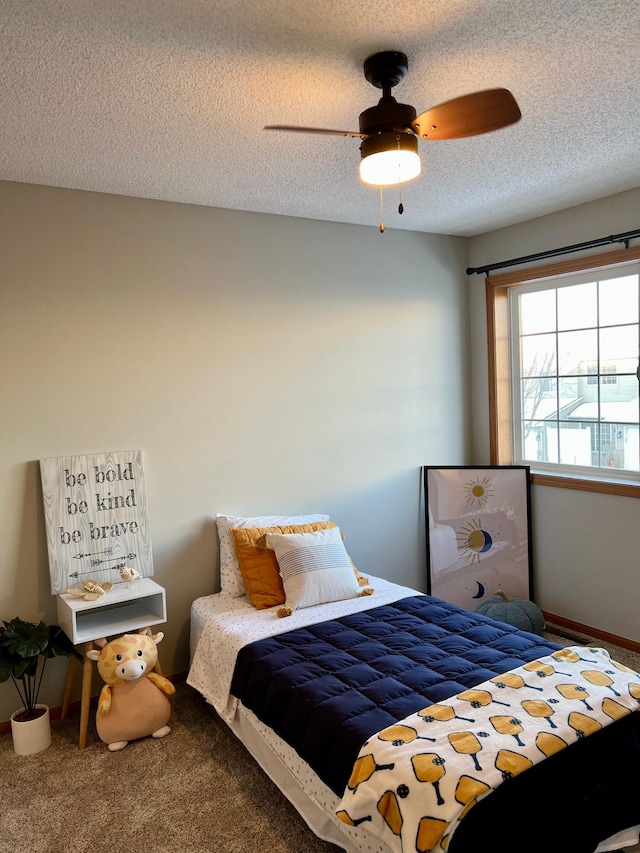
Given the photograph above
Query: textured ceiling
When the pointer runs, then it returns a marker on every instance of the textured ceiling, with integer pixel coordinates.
(166, 99)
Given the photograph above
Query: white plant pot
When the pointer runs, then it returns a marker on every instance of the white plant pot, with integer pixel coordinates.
(33, 735)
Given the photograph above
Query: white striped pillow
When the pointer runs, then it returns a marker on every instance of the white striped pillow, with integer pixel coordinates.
(231, 582)
(315, 567)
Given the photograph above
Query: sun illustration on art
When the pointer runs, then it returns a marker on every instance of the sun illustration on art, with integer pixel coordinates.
(478, 491)
(473, 541)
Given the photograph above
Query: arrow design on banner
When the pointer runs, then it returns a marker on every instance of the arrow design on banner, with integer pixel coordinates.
(115, 568)
(115, 559)
(93, 554)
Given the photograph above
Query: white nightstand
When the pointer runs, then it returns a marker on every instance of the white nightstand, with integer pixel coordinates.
(121, 610)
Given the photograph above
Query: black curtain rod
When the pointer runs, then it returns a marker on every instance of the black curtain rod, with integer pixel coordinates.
(551, 253)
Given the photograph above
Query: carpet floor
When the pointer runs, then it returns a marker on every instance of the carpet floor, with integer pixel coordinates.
(196, 791)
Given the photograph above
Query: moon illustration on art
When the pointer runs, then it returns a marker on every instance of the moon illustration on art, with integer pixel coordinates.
(480, 592)
(473, 541)
(480, 541)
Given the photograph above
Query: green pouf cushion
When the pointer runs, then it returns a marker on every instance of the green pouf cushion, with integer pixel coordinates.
(518, 612)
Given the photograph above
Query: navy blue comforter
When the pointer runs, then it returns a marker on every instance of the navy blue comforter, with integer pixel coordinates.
(326, 688)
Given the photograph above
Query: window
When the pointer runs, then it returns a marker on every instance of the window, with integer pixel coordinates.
(607, 377)
(564, 356)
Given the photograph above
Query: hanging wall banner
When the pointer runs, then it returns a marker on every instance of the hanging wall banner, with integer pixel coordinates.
(96, 518)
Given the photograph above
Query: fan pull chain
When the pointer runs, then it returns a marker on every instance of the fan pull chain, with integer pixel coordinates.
(400, 204)
(381, 213)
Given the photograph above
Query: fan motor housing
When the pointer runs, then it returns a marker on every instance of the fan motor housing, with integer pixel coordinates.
(387, 115)
(390, 141)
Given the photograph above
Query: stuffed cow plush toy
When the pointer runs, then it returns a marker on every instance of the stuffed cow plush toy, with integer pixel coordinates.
(133, 702)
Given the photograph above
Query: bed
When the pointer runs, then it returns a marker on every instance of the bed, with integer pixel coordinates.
(310, 696)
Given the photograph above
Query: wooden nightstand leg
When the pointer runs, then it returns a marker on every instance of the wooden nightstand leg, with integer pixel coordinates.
(87, 674)
(68, 687)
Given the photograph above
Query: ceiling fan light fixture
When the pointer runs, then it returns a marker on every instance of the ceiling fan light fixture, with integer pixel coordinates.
(389, 158)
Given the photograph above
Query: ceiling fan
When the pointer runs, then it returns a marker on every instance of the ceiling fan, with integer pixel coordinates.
(390, 131)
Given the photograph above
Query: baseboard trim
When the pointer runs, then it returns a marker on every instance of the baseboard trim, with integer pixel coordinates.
(580, 628)
(74, 707)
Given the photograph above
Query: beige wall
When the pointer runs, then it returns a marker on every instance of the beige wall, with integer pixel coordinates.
(262, 364)
(585, 545)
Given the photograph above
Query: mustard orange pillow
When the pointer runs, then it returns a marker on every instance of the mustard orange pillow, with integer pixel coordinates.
(258, 564)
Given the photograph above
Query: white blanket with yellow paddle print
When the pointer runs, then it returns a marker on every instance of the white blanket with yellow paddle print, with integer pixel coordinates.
(414, 781)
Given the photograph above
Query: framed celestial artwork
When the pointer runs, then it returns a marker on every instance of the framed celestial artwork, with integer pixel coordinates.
(478, 526)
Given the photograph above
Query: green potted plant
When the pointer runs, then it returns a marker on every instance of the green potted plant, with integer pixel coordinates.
(25, 648)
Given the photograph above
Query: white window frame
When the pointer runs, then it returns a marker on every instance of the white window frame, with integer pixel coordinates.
(595, 472)
(500, 368)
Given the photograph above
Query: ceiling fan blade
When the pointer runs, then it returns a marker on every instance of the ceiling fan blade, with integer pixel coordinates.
(321, 130)
(469, 115)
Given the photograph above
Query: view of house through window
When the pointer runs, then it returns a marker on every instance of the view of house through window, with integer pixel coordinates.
(575, 358)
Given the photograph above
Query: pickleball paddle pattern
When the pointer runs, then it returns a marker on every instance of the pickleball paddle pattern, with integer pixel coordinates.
(415, 781)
